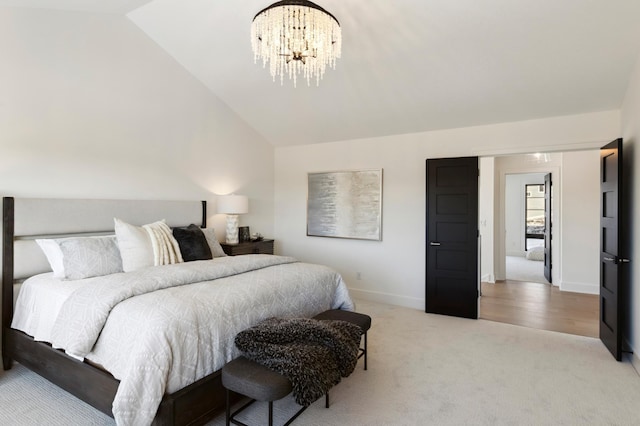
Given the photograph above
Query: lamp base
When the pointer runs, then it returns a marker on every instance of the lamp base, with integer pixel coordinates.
(232, 229)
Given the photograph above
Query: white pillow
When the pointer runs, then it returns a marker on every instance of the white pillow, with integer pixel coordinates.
(214, 245)
(536, 253)
(90, 257)
(136, 249)
(53, 254)
(76, 258)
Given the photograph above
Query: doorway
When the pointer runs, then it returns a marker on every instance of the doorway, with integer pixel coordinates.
(573, 299)
(525, 227)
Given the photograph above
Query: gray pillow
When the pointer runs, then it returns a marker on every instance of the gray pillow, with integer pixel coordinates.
(87, 257)
(214, 245)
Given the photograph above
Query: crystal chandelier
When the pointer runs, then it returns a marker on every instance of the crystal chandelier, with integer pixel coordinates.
(296, 37)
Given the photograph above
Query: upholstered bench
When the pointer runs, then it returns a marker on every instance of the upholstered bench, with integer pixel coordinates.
(361, 320)
(260, 383)
(257, 382)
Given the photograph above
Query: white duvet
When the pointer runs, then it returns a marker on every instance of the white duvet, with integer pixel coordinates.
(160, 329)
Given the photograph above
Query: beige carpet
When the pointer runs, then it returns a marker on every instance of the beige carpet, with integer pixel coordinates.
(423, 369)
(522, 269)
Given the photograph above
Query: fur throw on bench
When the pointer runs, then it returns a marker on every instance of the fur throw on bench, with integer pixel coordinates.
(313, 354)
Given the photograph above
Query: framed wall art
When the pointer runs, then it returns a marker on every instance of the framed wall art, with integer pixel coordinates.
(345, 204)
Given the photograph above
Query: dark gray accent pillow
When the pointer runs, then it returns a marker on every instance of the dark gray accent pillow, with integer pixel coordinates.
(192, 242)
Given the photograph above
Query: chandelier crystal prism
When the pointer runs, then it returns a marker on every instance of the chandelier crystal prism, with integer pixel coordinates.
(296, 37)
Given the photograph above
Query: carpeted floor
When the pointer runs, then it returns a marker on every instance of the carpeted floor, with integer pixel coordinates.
(521, 269)
(423, 369)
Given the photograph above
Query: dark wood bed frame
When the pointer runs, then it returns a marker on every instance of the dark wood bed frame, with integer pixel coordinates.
(192, 405)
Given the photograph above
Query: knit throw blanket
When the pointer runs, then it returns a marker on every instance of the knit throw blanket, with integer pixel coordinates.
(166, 250)
(313, 354)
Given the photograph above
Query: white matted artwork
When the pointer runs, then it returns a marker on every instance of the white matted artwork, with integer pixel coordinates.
(345, 204)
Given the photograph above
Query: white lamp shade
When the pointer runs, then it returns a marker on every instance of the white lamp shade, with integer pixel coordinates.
(233, 204)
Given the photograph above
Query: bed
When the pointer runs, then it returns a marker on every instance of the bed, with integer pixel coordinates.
(167, 371)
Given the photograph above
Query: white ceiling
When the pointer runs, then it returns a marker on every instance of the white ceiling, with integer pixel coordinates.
(120, 7)
(407, 65)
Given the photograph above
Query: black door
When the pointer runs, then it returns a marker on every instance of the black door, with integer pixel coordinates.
(547, 227)
(612, 270)
(452, 278)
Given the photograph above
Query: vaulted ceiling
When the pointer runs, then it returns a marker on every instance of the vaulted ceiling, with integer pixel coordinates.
(407, 65)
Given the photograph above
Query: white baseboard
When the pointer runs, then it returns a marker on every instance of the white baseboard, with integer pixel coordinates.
(391, 299)
(579, 287)
(635, 361)
(488, 278)
(419, 303)
(632, 355)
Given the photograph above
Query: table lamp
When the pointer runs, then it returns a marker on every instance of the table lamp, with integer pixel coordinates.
(233, 205)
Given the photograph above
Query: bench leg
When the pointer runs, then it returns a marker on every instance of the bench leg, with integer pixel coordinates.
(295, 416)
(232, 416)
(365, 350)
(228, 409)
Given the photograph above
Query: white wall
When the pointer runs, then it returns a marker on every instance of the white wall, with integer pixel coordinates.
(631, 154)
(580, 218)
(90, 107)
(393, 270)
(486, 218)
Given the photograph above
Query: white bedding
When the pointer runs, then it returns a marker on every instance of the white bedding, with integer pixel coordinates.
(163, 340)
(39, 302)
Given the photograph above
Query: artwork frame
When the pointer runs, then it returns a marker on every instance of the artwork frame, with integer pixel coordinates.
(345, 204)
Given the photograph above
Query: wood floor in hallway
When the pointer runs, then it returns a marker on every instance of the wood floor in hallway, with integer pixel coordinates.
(540, 306)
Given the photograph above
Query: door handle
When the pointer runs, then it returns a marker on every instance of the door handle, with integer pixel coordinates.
(434, 243)
(616, 260)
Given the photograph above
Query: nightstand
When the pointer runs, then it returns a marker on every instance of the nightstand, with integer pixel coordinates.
(250, 247)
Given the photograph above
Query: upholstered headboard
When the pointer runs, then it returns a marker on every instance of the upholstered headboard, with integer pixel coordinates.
(41, 217)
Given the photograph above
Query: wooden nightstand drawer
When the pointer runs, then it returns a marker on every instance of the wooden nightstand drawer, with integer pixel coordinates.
(250, 247)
